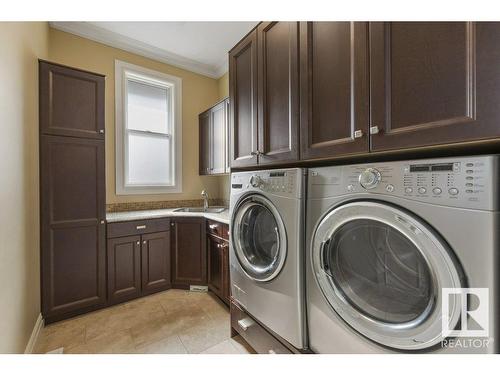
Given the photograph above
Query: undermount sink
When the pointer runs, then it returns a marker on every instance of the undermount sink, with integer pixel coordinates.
(212, 210)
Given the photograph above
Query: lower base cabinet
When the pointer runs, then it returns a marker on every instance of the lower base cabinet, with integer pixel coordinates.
(218, 267)
(138, 264)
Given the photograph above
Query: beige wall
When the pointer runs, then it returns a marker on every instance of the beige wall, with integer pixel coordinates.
(21, 44)
(198, 93)
(224, 181)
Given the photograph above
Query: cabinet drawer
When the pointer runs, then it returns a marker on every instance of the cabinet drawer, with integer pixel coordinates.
(257, 336)
(129, 228)
(218, 229)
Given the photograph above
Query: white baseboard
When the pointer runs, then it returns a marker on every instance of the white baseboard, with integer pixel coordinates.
(34, 335)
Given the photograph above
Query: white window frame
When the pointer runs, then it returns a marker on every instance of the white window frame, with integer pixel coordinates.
(123, 72)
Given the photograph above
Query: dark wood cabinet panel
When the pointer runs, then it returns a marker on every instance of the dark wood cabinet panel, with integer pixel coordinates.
(214, 143)
(215, 271)
(226, 277)
(243, 101)
(204, 139)
(71, 102)
(72, 215)
(278, 94)
(124, 268)
(155, 262)
(188, 248)
(433, 83)
(334, 89)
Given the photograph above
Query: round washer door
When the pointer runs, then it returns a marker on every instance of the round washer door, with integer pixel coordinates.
(382, 270)
(259, 238)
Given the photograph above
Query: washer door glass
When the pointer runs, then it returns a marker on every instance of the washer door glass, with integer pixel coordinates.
(382, 270)
(379, 271)
(259, 238)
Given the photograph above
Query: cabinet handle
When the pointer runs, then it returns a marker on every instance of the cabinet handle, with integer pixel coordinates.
(358, 133)
(139, 227)
(138, 242)
(101, 131)
(374, 130)
(172, 224)
(212, 226)
(256, 153)
(144, 242)
(270, 351)
(245, 323)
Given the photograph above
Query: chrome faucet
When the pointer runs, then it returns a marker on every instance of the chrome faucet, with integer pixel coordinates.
(204, 195)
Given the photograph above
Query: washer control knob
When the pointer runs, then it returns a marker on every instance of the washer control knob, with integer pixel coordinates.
(389, 188)
(369, 178)
(256, 181)
(453, 191)
(422, 190)
(437, 191)
(408, 190)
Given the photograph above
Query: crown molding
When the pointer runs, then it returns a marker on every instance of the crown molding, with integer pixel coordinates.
(112, 39)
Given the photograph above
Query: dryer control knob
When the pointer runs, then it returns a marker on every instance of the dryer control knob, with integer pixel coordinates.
(256, 181)
(369, 178)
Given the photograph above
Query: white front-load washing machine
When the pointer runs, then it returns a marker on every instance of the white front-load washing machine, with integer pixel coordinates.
(267, 249)
(404, 256)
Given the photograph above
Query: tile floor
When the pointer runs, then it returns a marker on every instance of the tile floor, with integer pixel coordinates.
(171, 322)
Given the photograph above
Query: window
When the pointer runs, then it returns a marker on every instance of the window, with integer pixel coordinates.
(148, 131)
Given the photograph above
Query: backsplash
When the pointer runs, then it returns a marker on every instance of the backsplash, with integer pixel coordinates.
(136, 206)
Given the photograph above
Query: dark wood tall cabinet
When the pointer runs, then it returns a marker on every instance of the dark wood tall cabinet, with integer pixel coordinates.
(334, 88)
(433, 83)
(72, 191)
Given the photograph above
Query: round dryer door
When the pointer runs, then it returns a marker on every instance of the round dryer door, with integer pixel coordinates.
(259, 238)
(382, 270)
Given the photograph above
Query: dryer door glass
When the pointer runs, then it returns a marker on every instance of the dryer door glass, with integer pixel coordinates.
(379, 271)
(259, 238)
(383, 269)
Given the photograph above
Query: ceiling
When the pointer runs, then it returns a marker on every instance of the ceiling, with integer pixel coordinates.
(200, 47)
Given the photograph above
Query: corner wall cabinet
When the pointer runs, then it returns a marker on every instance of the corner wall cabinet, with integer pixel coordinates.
(364, 88)
(214, 135)
(72, 191)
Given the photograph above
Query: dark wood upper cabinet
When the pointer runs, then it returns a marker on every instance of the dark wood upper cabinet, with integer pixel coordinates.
(214, 144)
(243, 101)
(334, 90)
(204, 139)
(188, 247)
(278, 94)
(155, 262)
(71, 102)
(73, 257)
(433, 83)
(124, 268)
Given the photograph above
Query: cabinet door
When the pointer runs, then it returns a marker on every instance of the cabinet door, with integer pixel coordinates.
(227, 138)
(189, 258)
(278, 92)
(243, 101)
(434, 83)
(205, 141)
(218, 142)
(71, 102)
(334, 89)
(73, 250)
(155, 262)
(124, 268)
(214, 274)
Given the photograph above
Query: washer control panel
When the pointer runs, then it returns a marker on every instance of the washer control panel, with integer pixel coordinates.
(470, 182)
(285, 182)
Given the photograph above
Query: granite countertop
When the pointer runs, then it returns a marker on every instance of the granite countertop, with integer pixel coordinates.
(113, 217)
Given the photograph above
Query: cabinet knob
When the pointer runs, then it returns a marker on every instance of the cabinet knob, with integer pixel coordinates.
(139, 227)
(138, 242)
(101, 131)
(102, 221)
(172, 224)
(374, 130)
(144, 242)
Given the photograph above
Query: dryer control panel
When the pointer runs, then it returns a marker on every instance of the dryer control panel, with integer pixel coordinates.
(468, 182)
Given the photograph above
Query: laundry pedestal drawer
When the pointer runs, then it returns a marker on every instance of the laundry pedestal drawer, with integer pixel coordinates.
(257, 336)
